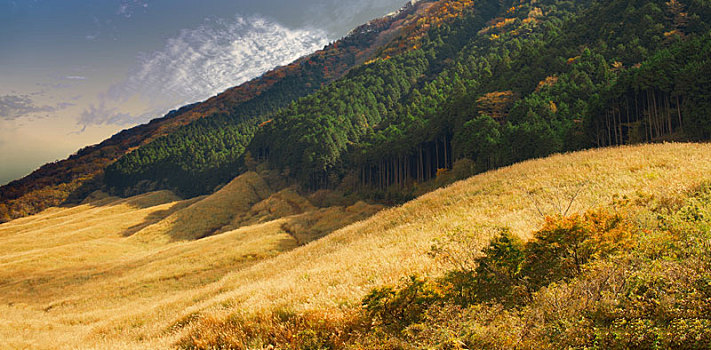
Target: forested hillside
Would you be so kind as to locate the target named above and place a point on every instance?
(468, 87)
(209, 152)
(222, 126)
(537, 79)
(441, 87)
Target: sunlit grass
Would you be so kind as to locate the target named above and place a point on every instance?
(127, 273)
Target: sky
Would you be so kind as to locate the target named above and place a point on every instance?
(75, 72)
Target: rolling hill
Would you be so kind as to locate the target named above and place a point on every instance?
(100, 275)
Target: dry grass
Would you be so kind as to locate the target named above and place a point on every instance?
(70, 279)
(205, 217)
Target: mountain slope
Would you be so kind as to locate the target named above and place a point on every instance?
(72, 179)
(96, 288)
(486, 84)
(210, 152)
(452, 86)
(567, 87)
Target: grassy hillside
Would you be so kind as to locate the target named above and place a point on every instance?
(85, 277)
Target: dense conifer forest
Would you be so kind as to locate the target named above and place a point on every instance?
(498, 83)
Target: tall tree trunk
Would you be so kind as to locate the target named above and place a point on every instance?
(657, 120)
(609, 132)
(669, 116)
(446, 155)
(420, 167)
(614, 125)
(649, 117)
(678, 111)
(627, 113)
(437, 154)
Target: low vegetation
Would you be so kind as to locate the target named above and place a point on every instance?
(635, 274)
(81, 278)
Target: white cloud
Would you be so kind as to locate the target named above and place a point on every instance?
(101, 114)
(219, 54)
(197, 64)
(105, 113)
(334, 14)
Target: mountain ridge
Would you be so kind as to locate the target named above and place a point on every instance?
(68, 181)
(549, 73)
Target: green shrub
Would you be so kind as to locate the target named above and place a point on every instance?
(397, 308)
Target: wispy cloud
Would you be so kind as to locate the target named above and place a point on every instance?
(100, 114)
(220, 54)
(20, 106)
(334, 14)
(128, 7)
(199, 63)
(75, 77)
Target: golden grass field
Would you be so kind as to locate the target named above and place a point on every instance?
(130, 273)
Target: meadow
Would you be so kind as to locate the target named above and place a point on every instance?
(151, 270)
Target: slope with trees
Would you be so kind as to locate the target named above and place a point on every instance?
(72, 179)
(208, 152)
(554, 74)
(442, 87)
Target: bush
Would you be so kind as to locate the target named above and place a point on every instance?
(591, 281)
(509, 270)
(397, 308)
(565, 244)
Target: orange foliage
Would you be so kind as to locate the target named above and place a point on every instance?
(547, 82)
(553, 107)
(504, 23)
(535, 12)
(598, 231)
(433, 15)
(497, 24)
(496, 104)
